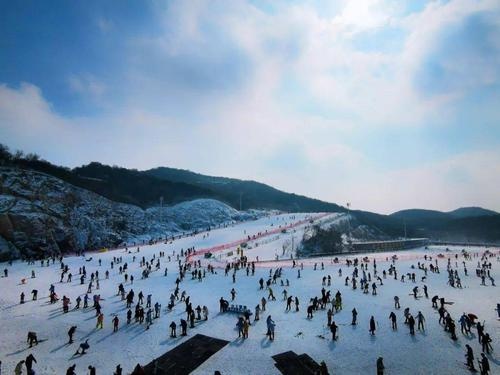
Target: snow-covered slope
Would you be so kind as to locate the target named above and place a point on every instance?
(355, 352)
(40, 213)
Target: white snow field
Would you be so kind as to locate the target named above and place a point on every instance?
(355, 351)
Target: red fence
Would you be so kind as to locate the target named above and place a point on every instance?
(230, 245)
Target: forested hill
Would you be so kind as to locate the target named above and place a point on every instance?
(253, 194)
(145, 188)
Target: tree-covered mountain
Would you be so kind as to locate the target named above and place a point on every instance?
(467, 224)
(145, 188)
(250, 194)
(471, 212)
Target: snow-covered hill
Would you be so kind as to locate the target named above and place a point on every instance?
(40, 213)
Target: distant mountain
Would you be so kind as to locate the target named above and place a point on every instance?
(145, 189)
(472, 212)
(418, 217)
(466, 224)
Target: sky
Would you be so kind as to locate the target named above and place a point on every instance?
(386, 104)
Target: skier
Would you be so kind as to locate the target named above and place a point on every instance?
(329, 315)
(310, 311)
(29, 364)
(183, 327)
(380, 366)
(92, 370)
(205, 312)
(71, 332)
(100, 321)
(396, 302)
(420, 320)
(149, 318)
(354, 316)
(270, 327)
(372, 325)
(173, 327)
(115, 323)
(333, 329)
(32, 338)
(484, 365)
(411, 323)
(71, 370)
(18, 370)
(470, 358)
(486, 343)
(392, 317)
(84, 346)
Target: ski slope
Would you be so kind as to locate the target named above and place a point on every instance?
(355, 352)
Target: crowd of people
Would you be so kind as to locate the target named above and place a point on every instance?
(364, 276)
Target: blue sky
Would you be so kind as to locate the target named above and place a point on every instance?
(387, 104)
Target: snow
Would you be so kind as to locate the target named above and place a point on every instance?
(355, 352)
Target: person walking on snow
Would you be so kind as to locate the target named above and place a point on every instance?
(372, 326)
(420, 320)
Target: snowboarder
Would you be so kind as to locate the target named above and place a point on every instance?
(354, 316)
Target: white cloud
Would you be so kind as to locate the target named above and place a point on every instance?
(241, 131)
(87, 85)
